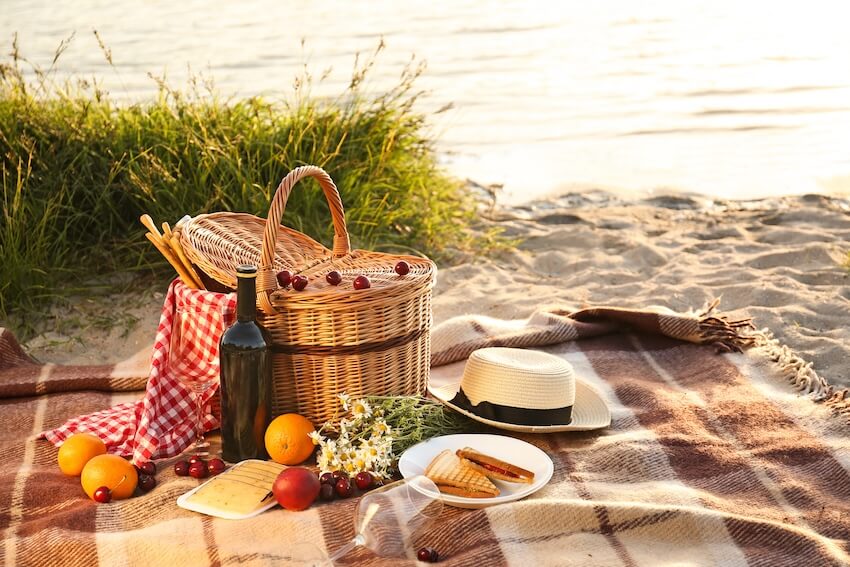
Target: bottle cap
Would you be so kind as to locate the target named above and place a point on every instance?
(246, 270)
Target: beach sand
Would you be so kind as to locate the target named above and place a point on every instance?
(779, 261)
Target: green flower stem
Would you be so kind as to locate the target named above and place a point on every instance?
(414, 419)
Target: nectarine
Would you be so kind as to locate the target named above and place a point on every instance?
(296, 488)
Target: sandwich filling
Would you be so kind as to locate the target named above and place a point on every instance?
(495, 469)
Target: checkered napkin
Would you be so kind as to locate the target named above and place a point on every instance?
(162, 424)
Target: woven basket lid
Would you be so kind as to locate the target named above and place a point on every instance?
(218, 242)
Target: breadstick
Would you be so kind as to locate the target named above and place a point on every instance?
(165, 251)
(177, 247)
(148, 222)
(173, 240)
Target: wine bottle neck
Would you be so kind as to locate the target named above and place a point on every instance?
(246, 299)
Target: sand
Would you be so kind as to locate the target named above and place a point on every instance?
(780, 261)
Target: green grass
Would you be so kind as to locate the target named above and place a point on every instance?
(78, 169)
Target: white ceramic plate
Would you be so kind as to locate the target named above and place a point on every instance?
(514, 451)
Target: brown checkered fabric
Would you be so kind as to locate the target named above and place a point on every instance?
(734, 459)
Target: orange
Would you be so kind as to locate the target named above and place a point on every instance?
(111, 471)
(76, 451)
(287, 439)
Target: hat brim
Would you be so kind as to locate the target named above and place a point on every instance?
(589, 411)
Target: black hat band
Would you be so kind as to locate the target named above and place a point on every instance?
(514, 415)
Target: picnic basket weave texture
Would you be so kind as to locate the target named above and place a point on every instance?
(326, 339)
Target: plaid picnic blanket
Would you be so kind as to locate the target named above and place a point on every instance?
(741, 458)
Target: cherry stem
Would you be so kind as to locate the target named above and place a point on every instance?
(119, 483)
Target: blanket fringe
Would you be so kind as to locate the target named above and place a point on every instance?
(724, 334)
(803, 376)
(735, 335)
(794, 368)
(839, 401)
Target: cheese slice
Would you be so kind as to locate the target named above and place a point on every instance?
(239, 491)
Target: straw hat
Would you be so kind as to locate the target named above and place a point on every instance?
(524, 390)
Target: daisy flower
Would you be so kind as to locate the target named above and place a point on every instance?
(380, 427)
(360, 409)
(344, 399)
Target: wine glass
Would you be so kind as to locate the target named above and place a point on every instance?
(386, 520)
(193, 357)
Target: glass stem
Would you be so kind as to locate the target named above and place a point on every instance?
(199, 418)
(345, 549)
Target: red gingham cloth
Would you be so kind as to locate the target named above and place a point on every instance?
(162, 424)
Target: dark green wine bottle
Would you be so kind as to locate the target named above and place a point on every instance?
(246, 376)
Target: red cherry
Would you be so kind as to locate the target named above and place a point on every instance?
(284, 278)
(402, 268)
(147, 468)
(196, 459)
(198, 470)
(363, 480)
(299, 282)
(326, 492)
(102, 494)
(327, 478)
(215, 466)
(146, 482)
(343, 488)
(336, 475)
(362, 282)
(334, 278)
(424, 554)
(181, 468)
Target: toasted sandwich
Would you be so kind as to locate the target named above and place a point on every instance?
(493, 468)
(451, 477)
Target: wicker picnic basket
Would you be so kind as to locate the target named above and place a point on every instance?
(326, 339)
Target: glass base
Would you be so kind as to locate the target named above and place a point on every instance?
(200, 448)
(309, 554)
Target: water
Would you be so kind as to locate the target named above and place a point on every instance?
(730, 99)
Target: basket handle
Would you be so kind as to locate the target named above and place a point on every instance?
(266, 280)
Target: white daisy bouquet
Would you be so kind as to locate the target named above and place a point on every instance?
(374, 431)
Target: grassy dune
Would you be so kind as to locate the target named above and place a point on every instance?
(79, 168)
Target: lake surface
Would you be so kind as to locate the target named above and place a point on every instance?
(730, 99)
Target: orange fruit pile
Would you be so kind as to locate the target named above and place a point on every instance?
(77, 450)
(111, 471)
(287, 439)
(84, 455)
